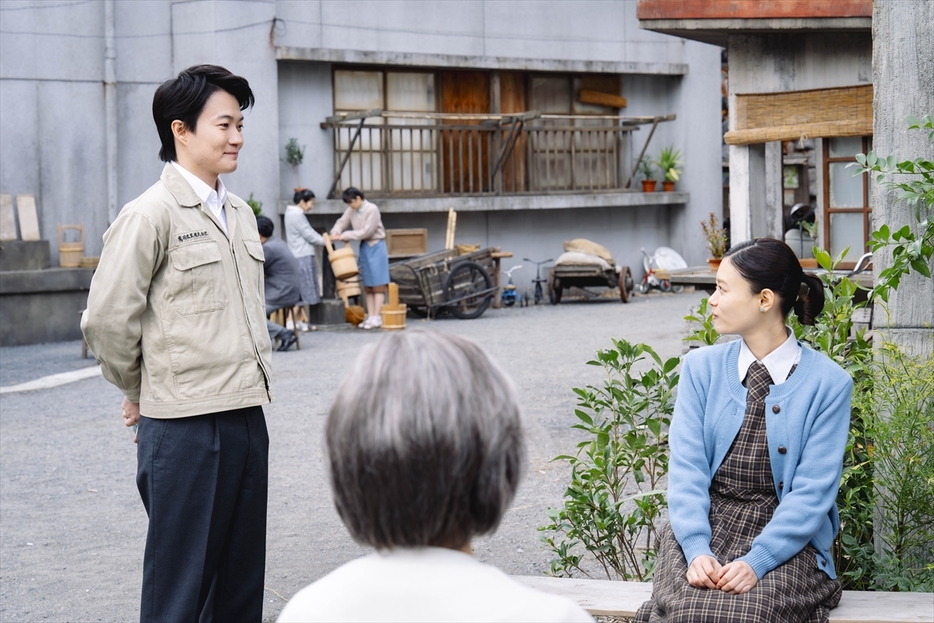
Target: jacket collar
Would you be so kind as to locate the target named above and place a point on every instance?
(187, 198)
(179, 187)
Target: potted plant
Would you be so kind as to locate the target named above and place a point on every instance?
(293, 153)
(669, 161)
(716, 240)
(647, 171)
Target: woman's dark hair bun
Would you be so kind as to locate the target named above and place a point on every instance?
(302, 194)
(810, 301)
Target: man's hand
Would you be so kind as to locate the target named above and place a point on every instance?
(704, 572)
(130, 414)
(736, 578)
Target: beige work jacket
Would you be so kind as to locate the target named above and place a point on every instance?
(176, 312)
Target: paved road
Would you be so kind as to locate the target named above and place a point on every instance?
(72, 528)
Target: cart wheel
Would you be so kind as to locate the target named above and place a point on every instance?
(665, 285)
(677, 289)
(421, 312)
(625, 285)
(555, 291)
(470, 282)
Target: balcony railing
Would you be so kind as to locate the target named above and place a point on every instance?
(393, 154)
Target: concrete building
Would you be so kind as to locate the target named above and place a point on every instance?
(77, 78)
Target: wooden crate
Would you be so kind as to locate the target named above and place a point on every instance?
(406, 242)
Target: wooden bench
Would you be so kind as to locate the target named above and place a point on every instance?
(622, 599)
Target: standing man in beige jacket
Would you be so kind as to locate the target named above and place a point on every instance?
(176, 317)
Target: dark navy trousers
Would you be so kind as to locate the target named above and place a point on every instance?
(203, 481)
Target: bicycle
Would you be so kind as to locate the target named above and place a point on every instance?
(650, 279)
(538, 281)
(510, 296)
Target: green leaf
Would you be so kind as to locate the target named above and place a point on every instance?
(921, 266)
(823, 259)
(583, 416)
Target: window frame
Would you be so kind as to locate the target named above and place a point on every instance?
(865, 209)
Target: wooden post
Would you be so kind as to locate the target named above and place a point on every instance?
(452, 227)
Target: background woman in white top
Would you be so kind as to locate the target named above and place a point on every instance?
(426, 451)
(302, 240)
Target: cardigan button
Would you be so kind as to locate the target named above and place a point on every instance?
(781, 485)
(776, 409)
(782, 449)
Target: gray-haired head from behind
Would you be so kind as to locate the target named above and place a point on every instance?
(424, 442)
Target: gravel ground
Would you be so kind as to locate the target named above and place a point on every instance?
(72, 527)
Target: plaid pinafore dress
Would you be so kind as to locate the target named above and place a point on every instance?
(742, 501)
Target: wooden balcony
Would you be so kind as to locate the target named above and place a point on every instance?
(391, 154)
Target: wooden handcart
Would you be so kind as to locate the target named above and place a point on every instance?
(445, 280)
(564, 276)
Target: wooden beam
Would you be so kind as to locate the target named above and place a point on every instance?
(586, 96)
(751, 9)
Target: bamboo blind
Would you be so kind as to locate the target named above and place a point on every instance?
(793, 115)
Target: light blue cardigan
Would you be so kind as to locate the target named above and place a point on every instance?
(808, 417)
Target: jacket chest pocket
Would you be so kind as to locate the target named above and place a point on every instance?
(253, 263)
(199, 281)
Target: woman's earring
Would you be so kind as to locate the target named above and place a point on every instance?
(761, 309)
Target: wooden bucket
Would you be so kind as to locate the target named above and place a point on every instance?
(343, 262)
(347, 288)
(70, 253)
(393, 316)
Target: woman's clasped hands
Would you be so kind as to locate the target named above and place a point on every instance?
(735, 577)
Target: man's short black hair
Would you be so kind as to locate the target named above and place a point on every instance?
(183, 98)
(265, 226)
(350, 194)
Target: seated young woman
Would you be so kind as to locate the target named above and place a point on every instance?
(757, 441)
(425, 451)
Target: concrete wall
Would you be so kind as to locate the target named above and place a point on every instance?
(239, 37)
(52, 98)
(582, 30)
(51, 93)
(305, 100)
(42, 305)
(52, 61)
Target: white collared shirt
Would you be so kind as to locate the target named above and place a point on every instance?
(779, 362)
(213, 199)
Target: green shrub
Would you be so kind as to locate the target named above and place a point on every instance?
(903, 460)
(256, 205)
(614, 504)
(294, 154)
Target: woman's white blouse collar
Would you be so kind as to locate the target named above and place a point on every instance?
(779, 362)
